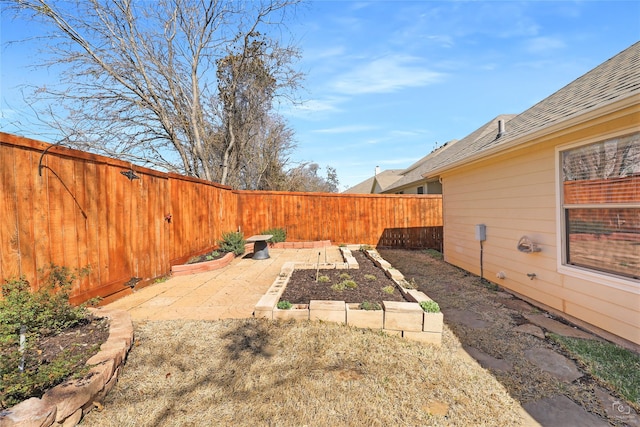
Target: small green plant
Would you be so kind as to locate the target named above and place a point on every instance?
(338, 287)
(161, 279)
(430, 306)
(284, 305)
(388, 289)
(324, 279)
(370, 306)
(349, 284)
(345, 276)
(370, 277)
(433, 253)
(342, 245)
(364, 248)
(279, 235)
(232, 241)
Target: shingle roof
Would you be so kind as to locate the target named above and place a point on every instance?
(384, 178)
(413, 173)
(613, 80)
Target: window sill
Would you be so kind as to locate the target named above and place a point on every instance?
(605, 279)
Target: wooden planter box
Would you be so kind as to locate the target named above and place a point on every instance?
(372, 319)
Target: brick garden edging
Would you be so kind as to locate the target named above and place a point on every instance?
(200, 267)
(406, 319)
(66, 403)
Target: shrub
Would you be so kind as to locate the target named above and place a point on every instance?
(338, 287)
(232, 241)
(46, 310)
(43, 312)
(279, 235)
(324, 279)
(349, 284)
(430, 306)
(284, 305)
(370, 306)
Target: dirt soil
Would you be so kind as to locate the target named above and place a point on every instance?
(303, 287)
(456, 291)
(209, 256)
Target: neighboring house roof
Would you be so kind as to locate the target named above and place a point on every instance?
(614, 80)
(383, 179)
(413, 174)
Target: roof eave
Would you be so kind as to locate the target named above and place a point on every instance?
(523, 139)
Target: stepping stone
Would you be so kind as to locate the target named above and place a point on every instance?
(617, 409)
(561, 411)
(466, 318)
(558, 327)
(553, 363)
(488, 361)
(518, 305)
(530, 329)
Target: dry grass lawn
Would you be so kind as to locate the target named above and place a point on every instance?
(261, 373)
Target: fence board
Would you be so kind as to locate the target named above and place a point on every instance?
(83, 212)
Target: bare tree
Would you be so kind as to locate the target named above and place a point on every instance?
(139, 77)
(305, 178)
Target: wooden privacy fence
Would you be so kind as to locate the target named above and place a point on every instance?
(129, 224)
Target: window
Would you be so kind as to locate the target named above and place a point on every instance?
(421, 190)
(601, 206)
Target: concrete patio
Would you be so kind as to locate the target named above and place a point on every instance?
(231, 292)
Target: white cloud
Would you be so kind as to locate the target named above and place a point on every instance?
(386, 75)
(346, 129)
(544, 44)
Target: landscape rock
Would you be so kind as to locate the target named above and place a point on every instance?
(556, 411)
(530, 329)
(553, 363)
(29, 413)
(487, 361)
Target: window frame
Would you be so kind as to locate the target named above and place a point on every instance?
(613, 280)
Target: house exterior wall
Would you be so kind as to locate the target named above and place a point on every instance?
(515, 194)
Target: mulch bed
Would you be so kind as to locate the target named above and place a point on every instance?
(302, 287)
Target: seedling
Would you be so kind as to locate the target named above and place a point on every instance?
(349, 284)
(370, 277)
(345, 276)
(388, 289)
(430, 306)
(284, 305)
(370, 306)
(338, 287)
(324, 279)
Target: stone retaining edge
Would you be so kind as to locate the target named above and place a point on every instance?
(67, 403)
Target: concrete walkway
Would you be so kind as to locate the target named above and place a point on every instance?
(231, 292)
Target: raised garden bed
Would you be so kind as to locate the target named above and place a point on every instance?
(401, 315)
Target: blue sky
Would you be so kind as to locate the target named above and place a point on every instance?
(388, 81)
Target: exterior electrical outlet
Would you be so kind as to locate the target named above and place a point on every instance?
(481, 232)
